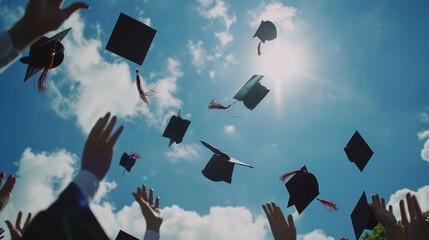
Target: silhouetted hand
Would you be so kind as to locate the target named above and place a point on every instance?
(16, 232)
(416, 228)
(98, 151)
(386, 218)
(6, 190)
(1, 233)
(40, 17)
(150, 211)
(281, 229)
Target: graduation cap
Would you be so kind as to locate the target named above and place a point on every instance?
(125, 236)
(46, 53)
(131, 40)
(176, 129)
(266, 32)
(128, 161)
(358, 151)
(303, 188)
(251, 94)
(220, 166)
(362, 216)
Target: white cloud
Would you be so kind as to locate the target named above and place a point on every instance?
(141, 17)
(281, 15)
(224, 38)
(425, 151)
(317, 234)
(221, 223)
(219, 10)
(421, 195)
(198, 54)
(188, 152)
(91, 85)
(229, 129)
(424, 117)
(212, 74)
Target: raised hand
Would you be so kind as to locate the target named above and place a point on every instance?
(40, 17)
(386, 218)
(98, 151)
(17, 232)
(416, 228)
(150, 211)
(281, 229)
(6, 190)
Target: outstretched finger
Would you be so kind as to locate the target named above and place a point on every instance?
(290, 221)
(403, 213)
(157, 202)
(411, 207)
(27, 222)
(116, 135)
(106, 132)
(18, 219)
(10, 183)
(74, 7)
(98, 126)
(1, 177)
(151, 197)
(144, 195)
(419, 215)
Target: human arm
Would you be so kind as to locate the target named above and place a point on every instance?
(386, 218)
(97, 155)
(280, 228)
(17, 232)
(416, 228)
(6, 190)
(150, 211)
(40, 17)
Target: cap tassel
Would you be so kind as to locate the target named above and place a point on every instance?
(285, 175)
(329, 205)
(140, 88)
(215, 104)
(135, 155)
(259, 49)
(41, 82)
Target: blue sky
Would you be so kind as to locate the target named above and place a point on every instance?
(335, 67)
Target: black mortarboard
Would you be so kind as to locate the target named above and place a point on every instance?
(41, 52)
(266, 31)
(176, 129)
(252, 92)
(220, 166)
(362, 216)
(128, 161)
(358, 151)
(130, 39)
(125, 236)
(303, 188)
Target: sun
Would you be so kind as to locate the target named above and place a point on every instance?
(283, 64)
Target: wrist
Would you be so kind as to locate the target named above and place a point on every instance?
(153, 227)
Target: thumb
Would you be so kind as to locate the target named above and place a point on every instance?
(9, 225)
(74, 7)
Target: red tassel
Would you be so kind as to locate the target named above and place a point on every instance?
(285, 175)
(41, 82)
(259, 49)
(215, 104)
(140, 88)
(329, 205)
(135, 155)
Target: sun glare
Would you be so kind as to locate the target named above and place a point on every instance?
(283, 64)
